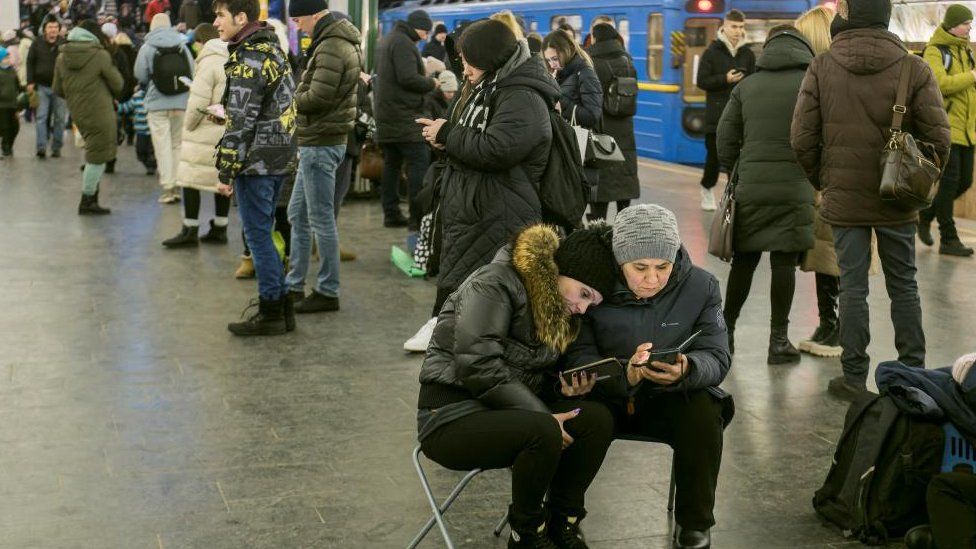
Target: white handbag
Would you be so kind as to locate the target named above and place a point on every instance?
(582, 135)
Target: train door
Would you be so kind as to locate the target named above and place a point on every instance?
(698, 34)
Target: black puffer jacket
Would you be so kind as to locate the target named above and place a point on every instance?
(691, 301)
(618, 180)
(715, 64)
(326, 96)
(580, 90)
(498, 337)
(400, 87)
(489, 185)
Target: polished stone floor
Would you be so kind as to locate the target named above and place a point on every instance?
(131, 418)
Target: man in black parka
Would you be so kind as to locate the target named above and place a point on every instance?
(723, 65)
(399, 89)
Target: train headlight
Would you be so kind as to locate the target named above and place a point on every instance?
(693, 121)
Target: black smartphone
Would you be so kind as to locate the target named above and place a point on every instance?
(604, 369)
(743, 70)
(670, 356)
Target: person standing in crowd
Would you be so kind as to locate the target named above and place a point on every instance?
(51, 109)
(88, 80)
(190, 14)
(9, 91)
(814, 25)
(774, 202)
(201, 134)
(135, 110)
(512, 22)
(166, 97)
(80, 10)
(124, 44)
(581, 101)
(435, 46)
(486, 394)
(660, 300)
(840, 127)
(106, 33)
(326, 104)
(399, 95)
(496, 144)
(127, 18)
(154, 8)
(257, 151)
(618, 180)
(951, 58)
(598, 20)
(723, 65)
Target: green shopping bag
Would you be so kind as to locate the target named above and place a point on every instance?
(279, 243)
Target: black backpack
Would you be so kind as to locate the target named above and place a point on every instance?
(620, 94)
(563, 190)
(875, 490)
(169, 64)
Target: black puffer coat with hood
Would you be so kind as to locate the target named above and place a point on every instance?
(490, 184)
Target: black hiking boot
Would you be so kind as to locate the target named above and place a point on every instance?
(89, 206)
(781, 351)
(268, 320)
(565, 532)
(186, 238)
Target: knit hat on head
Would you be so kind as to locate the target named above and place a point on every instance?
(110, 30)
(449, 82)
(604, 32)
(301, 8)
(439, 29)
(586, 255)
(645, 231)
(420, 19)
(159, 21)
(488, 44)
(956, 15)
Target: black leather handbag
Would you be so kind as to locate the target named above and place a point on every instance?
(908, 177)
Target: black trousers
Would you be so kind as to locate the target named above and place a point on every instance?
(598, 210)
(956, 180)
(782, 287)
(442, 295)
(417, 158)
(828, 291)
(712, 167)
(191, 204)
(951, 501)
(531, 444)
(144, 151)
(692, 425)
(9, 128)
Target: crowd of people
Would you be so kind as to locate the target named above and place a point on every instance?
(468, 123)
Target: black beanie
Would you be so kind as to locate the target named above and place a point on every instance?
(420, 19)
(604, 32)
(439, 29)
(586, 255)
(863, 14)
(488, 44)
(301, 8)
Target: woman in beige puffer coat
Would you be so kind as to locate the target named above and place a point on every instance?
(197, 171)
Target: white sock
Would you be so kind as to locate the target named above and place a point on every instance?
(191, 222)
(220, 222)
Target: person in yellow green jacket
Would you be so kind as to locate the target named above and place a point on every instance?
(951, 59)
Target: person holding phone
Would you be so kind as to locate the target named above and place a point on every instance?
(660, 301)
(489, 394)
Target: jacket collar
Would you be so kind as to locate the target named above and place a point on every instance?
(728, 43)
(403, 27)
(682, 268)
(532, 258)
(607, 48)
(246, 32)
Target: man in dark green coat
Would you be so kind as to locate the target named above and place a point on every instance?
(774, 200)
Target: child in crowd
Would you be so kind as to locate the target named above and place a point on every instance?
(9, 90)
(136, 109)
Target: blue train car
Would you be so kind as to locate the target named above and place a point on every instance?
(665, 37)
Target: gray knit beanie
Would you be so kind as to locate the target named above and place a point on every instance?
(645, 231)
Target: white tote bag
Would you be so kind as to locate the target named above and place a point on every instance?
(582, 135)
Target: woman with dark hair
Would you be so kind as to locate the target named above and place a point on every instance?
(489, 397)
(618, 180)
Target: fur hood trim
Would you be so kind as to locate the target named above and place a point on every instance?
(532, 259)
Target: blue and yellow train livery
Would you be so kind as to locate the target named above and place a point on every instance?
(665, 37)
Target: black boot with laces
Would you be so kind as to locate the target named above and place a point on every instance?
(564, 531)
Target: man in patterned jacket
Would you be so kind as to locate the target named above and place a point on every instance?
(258, 150)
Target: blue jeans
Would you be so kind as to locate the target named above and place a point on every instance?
(312, 211)
(49, 104)
(256, 197)
(896, 246)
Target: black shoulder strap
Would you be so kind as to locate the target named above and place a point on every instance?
(902, 95)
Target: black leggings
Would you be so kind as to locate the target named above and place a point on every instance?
(281, 225)
(598, 210)
(781, 289)
(191, 204)
(442, 295)
(531, 444)
(828, 292)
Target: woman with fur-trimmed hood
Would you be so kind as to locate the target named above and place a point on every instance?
(489, 394)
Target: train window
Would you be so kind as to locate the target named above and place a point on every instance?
(655, 46)
(699, 33)
(623, 27)
(757, 29)
(574, 21)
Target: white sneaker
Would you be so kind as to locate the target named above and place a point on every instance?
(708, 200)
(420, 340)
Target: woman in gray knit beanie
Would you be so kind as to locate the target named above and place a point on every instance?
(664, 302)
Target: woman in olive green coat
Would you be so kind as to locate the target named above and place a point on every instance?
(774, 199)
(88, 80)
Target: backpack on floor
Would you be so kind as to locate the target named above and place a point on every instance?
(875, 490)
(169, 65)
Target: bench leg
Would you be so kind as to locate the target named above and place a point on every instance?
(501, 525)
(671, 489)
(438, 511)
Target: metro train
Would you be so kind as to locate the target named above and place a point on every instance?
(665, 37)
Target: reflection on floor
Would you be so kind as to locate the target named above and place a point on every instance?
(131, 418)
